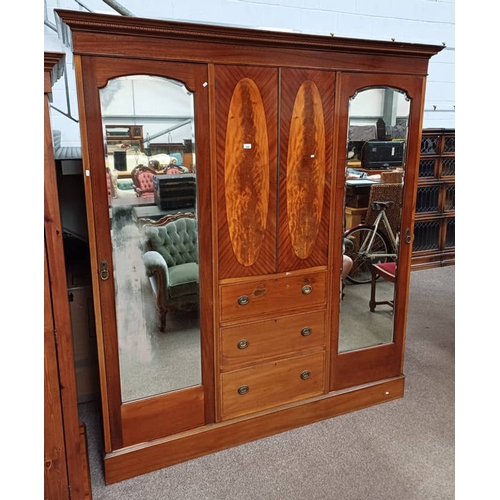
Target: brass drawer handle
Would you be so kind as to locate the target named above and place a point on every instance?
(243, 389)
(305, 331)
(305, 374)
(242, 344)
(243, 300)
(307, 289)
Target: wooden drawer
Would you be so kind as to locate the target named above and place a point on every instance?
(272, 384)
(250, 343)
(277, 294)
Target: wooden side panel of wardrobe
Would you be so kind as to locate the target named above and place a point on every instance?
(246, 129)
(306, 147)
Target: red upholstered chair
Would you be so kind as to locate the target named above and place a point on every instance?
(387, 271)
(142, 178)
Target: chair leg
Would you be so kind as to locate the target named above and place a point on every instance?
(373, 303)
(162, 315)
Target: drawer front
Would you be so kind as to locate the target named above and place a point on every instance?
(250, 343)
(251, 299)
(272, 384)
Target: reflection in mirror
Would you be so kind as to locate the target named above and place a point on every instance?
(148, 130)
(376, 152)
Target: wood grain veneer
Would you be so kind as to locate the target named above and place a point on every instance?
(278, 337)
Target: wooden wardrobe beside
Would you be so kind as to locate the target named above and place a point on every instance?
(66, 471)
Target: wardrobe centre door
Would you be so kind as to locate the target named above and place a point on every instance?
(246, 132)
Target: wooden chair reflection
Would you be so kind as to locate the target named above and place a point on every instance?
(386, 271)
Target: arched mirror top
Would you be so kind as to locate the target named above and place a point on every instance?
(378, 113)
(134, 75)
(145, 70)
(403, 92)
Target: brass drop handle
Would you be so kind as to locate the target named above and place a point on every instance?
(307, 289)
(103, 270)
(242, 344)
(305, 331)
(407, 235)
(243, 300)
(305, 374)
(243, 389)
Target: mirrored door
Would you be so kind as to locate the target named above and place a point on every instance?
(379, 141)
(151, 162)
(375, 166)
(148, 184)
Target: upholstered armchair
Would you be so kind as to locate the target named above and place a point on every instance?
(171, 262)
(142, 178)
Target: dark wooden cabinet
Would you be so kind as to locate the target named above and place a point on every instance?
(434, 237)
(66, 473)
(270, 127)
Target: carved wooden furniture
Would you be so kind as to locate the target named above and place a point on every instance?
(271, 124)
(434, 243)
(144, 221)
(386, 271)
(119, 137)
(66, 474)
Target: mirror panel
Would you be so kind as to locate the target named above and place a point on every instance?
(149, 144)
(376, 156)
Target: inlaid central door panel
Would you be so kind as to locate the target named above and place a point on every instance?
(306, 146)
(246, 128)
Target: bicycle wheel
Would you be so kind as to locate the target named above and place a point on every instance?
(360, 237)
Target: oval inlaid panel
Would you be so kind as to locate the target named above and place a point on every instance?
(305, 169)
(246, 172)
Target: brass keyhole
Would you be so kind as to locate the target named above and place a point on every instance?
(243, 300)
(103, 270)
(243, 344)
